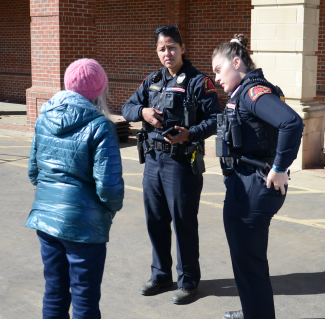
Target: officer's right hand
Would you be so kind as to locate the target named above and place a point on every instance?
(152, 116)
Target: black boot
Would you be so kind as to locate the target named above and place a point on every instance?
(152, 287)
(183, 296)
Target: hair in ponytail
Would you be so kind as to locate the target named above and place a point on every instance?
(236, 47)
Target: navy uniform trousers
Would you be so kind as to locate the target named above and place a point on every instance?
(172, 193)
(248, 209)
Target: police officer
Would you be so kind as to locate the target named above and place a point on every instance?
(257, 129)
(180, 98)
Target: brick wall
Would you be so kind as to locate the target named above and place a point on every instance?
(125, 41)
(15, 47)
(209, 25)
(62, 31)
(320, 88)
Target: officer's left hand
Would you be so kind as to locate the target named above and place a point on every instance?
(182, 136)
(278, 180)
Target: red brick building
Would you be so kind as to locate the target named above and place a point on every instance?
(40, 38)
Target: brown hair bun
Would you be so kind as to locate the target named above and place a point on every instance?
(242, 39)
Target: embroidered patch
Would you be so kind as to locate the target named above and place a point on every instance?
(155, 87)
(256, 91)
(208, 86)
(231, 106)
(176, 90)
(143, 81)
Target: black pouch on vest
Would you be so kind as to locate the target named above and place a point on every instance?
(222, 147)
(169, 100)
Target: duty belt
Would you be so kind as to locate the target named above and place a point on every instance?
(166, 147)
(160, 146)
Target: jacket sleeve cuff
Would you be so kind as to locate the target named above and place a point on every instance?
(191, 136)
(140, 112)
(283, 163)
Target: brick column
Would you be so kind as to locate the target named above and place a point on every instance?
(175, 14)
(61, 32)
(284, 37)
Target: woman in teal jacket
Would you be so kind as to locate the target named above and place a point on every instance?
(76, 164)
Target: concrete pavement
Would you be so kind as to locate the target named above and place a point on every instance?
(296, 246)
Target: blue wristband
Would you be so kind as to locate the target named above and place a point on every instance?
(276, 170)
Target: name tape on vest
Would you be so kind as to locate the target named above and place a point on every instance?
(155, 87)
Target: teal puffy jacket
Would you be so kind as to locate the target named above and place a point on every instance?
(76, 164)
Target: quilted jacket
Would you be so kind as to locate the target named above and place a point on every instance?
(76, 164)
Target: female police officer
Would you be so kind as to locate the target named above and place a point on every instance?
(258, 125)
(181, 97)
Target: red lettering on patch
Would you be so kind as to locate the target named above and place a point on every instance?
(208, 86)
(143, 81)
(256, 91)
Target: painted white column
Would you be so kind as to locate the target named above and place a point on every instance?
(284, 39)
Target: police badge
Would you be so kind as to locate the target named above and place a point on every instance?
(181, 78)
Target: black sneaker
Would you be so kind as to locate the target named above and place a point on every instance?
(152, 287)
(183, 296)
(234, 315)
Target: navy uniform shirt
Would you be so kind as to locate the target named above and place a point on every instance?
(206, 95)
(265, 105)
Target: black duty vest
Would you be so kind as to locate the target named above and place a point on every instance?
(169, 97)
(258, 136)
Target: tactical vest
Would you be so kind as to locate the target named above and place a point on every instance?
(257, 136)
(170, 100)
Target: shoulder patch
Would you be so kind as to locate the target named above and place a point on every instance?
(143, 81)
(208, 86)
(256, 91)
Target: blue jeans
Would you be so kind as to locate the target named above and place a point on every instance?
(76, 266)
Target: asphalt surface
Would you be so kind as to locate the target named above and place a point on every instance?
(296, 250)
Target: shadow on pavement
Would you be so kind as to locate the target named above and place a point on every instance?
(291, 284)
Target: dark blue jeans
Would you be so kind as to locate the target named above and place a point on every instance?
(76, 266)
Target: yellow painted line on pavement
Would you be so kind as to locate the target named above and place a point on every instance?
(132, 174)
(129, 158)
(14, 164)
(17, 138)
(212, 194)
(14, 146)
(306, 222)
(212, 173)
(14, 159)
(211, 204)
(137, 189)
(310, 190)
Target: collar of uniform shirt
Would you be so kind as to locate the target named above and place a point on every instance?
(234, 93)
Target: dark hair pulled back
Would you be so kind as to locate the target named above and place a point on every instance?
(174, 34)
(234, 49)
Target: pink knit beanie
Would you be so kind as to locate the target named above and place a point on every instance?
(86, 77)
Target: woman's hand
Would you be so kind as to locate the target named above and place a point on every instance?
(152, 116)
(278, 180)
(182, 136)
